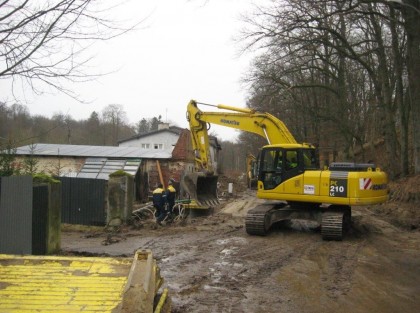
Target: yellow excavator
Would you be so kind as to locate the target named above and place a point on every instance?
(288, 172)
(251, 171)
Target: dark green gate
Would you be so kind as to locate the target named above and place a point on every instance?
(83, 201)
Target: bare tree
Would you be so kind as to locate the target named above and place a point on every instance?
(410, 10)
(115, 116)
(44, 43)
(342, 62)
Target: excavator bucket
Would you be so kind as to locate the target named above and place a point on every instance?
(202, 188)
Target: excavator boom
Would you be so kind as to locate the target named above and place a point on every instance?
(202, 184)
(262, 124)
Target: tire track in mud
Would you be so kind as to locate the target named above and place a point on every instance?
(220, 290)
(193, 263)
(225, 270)
(317, 273)
(337, 277)
(210, 283)
(202, 268)
(236, 273)
(241, 273)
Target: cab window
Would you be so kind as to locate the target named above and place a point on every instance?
(291, 159)
(271, 168)
(309, 159)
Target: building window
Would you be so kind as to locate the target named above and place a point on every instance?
(158, 146)
(145, 145)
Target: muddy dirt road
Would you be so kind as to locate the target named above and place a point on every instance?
(211, 264)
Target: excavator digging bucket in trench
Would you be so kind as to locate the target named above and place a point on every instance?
(202, 188)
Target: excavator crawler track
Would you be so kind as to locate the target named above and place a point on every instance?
(256, 221)
(333, 226)
(335, 220)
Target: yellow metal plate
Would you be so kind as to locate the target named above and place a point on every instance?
(62, 284)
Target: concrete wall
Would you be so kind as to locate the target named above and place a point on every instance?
(56, 165)
(120, 200)
(54, 219)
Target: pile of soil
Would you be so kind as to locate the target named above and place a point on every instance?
(403, 207)
(238, 179)
(405, 190)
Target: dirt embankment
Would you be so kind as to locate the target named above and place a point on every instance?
(403, 207)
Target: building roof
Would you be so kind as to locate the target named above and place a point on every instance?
(44, 149)
(102, 167)
(172, 129)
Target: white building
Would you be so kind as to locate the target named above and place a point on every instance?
(165, 138)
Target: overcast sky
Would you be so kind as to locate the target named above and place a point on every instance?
(184, 50)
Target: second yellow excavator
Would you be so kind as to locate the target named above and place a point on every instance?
(251, 171)
(288, 172)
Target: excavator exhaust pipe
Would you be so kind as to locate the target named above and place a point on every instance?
(202, 188)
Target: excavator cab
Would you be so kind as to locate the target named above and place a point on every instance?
(279, 163)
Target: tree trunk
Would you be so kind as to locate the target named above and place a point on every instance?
(401, 101)
(411, 13)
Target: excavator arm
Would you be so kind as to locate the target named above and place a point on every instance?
(202, 184)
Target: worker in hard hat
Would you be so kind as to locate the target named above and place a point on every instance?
(159, 198)
(170, 196)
